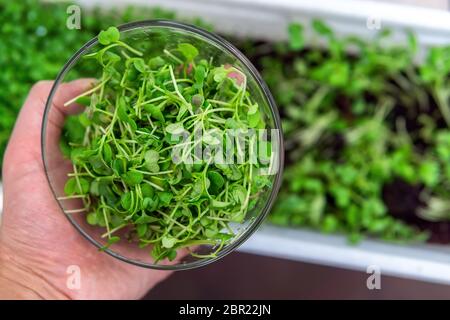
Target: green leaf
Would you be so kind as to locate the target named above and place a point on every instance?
(429, 173)
(99, 166)
(109, 36)
(188, 51)
(140, 65)
(119, 166)
(113, 239)
(219, 74)
(165, 197)
(74, 130)
(317, 209)
(156, 62)
(211, 138)
(91, 218)
(238, 216)
(239, 194)
(76, 186)
(321, 28)
(110, 241)
(217, 181)
(295, 31)
(199, 75)
(112, 58)
(168, 242)
(155, 112)
(171, 255)
(175, 128)
(141, 229)
(132, 178)
(354, 238)
(211, 233)
(126, 201)
(197, 100)
(341, 195)
(146, 219)
(107, 153)
(253, 109)
(122, 110)
(147, 190)
(151, 156)
(151, 161)
(220, 204)
(153, 167)
(412, 42)
(254, 119)
(84, 101)
(150, 203)
(330, 224)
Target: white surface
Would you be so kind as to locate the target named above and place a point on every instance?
(268, 18)
(421, 262)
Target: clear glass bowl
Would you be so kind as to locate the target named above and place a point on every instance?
(153, 37)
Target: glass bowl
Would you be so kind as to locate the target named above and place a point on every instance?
(152, 38)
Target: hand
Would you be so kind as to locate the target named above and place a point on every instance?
(37, 242)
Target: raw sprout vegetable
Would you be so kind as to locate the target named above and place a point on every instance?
(121, 148)
(297, 74)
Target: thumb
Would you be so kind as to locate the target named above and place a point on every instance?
(24, 147)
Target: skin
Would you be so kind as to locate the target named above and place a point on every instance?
(37, 242)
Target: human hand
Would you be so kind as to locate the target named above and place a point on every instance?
(37, 242)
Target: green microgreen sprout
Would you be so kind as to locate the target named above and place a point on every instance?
(122, 148)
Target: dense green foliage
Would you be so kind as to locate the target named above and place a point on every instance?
(353, 124)
(133, 147)
(35, 43)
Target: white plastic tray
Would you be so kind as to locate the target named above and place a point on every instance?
(421, 262)
(268, 19)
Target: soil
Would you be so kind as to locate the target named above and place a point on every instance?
(403, 201)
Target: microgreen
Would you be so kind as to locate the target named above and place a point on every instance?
(295, 32)
(123, 162)
(109, 36)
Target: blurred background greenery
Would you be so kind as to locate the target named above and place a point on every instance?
(367, 132)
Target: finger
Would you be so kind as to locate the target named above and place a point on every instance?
(30, 118)
(39, 94)
(25, 142)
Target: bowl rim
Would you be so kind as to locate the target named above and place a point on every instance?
(231, 49)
